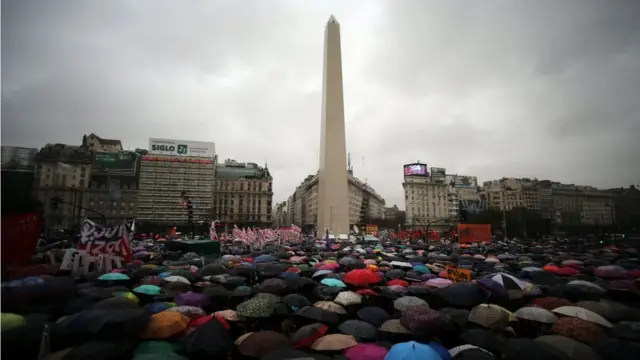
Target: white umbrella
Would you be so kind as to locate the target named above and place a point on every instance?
(536, 314)
(584, 314)
(175, 278)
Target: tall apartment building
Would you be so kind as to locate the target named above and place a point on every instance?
(172, 172)
(426, 202)
(434, 199)
(364, 202)
(243, 194)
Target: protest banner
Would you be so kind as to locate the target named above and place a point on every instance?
(469, 233)
(113, 240)
(457, 274)
(80, 262)
(20, 234)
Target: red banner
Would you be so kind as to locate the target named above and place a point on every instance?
(468, 233)
(20, 234)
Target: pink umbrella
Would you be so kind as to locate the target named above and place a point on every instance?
(439, 282)
(366, 352)
(329, 266)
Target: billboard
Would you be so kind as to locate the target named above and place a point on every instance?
(415, 170)
(18, 158)
(438, 174)
(181, 148)
(462, 181)
(115, 163)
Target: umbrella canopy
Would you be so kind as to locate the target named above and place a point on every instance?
(334, 342)
(262, 343)
(412, 350)
(583, 314)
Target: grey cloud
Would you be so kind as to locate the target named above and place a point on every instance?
(487, 88)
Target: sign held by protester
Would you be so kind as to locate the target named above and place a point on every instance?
(80, 262)
(457, 274)
(113, 240)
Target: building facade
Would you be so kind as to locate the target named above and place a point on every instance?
(280, 215)
(426, 202)
(95, 143)
(243, 195)
(365, 203)
(176, 182)
(113, 189)
(563, 204)
(61, 177)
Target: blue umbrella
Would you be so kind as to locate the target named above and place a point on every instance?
(264, 258)
(333, 283)
(164, 274)
(113, 277)
(411, 351)
(147, 290)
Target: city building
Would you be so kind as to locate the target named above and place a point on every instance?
(95, 143)
(17, 180)
(176, 183)
(391, 212)
(364, 203)
(564, 204)
(243, 194)
(426, 201)
(582, 205)
(280, 215)
(113, 189)
(435, 199)
(61, 177)
(627, 209)
(333, 191)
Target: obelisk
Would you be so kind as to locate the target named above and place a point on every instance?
(333, 192)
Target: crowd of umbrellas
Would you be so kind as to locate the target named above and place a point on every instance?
(350, 301)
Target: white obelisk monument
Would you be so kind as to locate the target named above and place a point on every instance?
(333, 192)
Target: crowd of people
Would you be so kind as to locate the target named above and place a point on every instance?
(390, 300)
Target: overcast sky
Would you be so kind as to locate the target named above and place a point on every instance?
(547, 89)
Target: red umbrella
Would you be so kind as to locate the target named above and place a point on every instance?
(567, 271)
(361, 277)
(397, 282)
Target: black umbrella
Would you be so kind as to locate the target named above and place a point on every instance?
(373, 315)
(296, 300)
(359, 329)
(209, 340)
(317, 314)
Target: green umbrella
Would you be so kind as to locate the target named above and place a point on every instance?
(114, 277)
(147, 290)
(9, 321)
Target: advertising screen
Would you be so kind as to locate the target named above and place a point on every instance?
(415, 169)
(18, 158)
(120, 163)
(181, 148)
